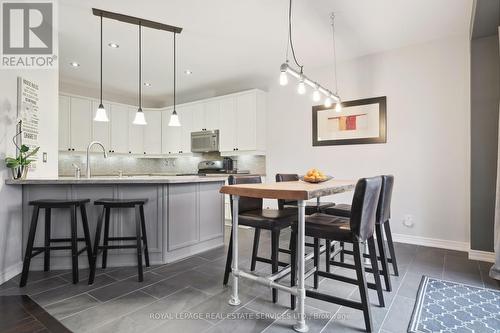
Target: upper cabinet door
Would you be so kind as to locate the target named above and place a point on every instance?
(135, 134)
(64, 125)
(198, 117)
(171, 136)
(81, 123)
(119, 129)
(152, 132)
(101, 129)
(227, 124)
(246, 121)
(186, 119)
(212, 115)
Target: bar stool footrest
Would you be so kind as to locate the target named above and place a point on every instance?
(345, 279)
(334, 299)
(64, 240)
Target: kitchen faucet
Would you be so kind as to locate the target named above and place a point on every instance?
(88, 150)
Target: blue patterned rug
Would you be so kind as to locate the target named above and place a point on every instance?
(445, 306)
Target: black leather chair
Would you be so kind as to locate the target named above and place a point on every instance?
(251, 214)
(311, 207)
(382, 222)
(357, 230)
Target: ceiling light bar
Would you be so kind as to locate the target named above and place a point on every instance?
(296, 74)
(136, 20)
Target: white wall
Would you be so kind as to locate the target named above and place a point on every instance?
(427, 148)
(11, 196)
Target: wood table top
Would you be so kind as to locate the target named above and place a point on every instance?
(294, 190)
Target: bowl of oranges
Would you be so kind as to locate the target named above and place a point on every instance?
(315, 176)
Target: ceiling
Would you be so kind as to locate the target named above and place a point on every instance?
(231, 45)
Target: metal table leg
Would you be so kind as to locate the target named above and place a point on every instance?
(301, 291)
(235, 300)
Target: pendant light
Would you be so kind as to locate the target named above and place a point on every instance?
(139, 115)
(298, 73)
(100, 114)
(174, 117)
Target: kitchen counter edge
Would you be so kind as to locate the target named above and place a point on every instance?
(126, 180)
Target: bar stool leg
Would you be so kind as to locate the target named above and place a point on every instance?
(376, 273)
(46, 256)
(316, 262)
(74, 245)
(390, 244)
(139, 242)
(328, 255)
(29, 246)
(144, 236)
(363, 291)
(341, 251)
(229, 259)
(255, 249)
(275, 240)
(86, 233)
(106, 236)
(293, 267)
(383, 257)
(95, 252)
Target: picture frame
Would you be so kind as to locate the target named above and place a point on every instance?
(362, 121)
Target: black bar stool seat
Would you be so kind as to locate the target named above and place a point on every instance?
(140, 237)
(339, 210)
(32, 251)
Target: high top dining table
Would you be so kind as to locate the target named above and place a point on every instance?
(294, 190)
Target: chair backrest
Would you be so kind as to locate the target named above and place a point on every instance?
(384, 202)
(364, 207)
(245, 203)
(286, 177)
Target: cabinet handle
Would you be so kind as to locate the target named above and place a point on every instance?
(130, 152)
(109, 151)
(144, 153)
(69, 149)
(113, 151)
(73, 149)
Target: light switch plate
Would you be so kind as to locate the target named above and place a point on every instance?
(44, 157)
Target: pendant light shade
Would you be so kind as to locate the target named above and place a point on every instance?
(139, 118)
(174, 117)
(100, 114)
(338, 107)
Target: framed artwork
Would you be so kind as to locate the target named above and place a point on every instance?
(361, 121)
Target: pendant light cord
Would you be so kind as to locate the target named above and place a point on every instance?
(140, 66)
(174, 69)
(101, 59)
(334, 53)
(290, 39)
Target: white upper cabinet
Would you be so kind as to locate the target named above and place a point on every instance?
(135, 134)
(197, 116)
(80, 123)
(212, 115)
(171, 136)
(186, 116)
(64, 123)
(246, 122)
(119, 129)
(227, 124)
(101, 129)
(152, 133)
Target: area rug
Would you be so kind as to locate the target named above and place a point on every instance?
(445, 306)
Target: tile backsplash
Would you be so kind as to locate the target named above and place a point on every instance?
(138, 165)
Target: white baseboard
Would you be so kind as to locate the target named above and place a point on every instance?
(482, 255)
(10, 272)
(431, 242)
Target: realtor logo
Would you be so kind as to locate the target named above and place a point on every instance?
(28, 35)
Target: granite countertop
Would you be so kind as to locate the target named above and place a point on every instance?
(117, 180)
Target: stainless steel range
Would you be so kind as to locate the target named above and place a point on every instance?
(226, 166)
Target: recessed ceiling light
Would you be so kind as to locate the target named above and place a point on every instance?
(113, 45)
(147, 84)
(74, 64)
(188, 72)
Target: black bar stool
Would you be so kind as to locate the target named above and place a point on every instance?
(32, 251)
(251, 214)
(357, 230)
(140, 230)
(381, 225)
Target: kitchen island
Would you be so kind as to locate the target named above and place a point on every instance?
(184, 214)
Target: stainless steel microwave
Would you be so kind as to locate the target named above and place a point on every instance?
(205, 141)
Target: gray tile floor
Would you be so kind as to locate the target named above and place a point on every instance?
(188, 296)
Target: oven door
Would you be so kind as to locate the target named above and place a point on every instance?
(204, 141)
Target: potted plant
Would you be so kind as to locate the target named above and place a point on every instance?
(20, 165)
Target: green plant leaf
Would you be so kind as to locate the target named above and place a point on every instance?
(26, 162)
(12, 164)
(33, 152)
(24, 148)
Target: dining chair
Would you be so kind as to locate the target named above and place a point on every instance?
(252, 214)
(356, 229)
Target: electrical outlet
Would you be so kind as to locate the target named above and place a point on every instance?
(44, 157)
(408, 220)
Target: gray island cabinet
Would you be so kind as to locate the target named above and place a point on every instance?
(184, 215)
